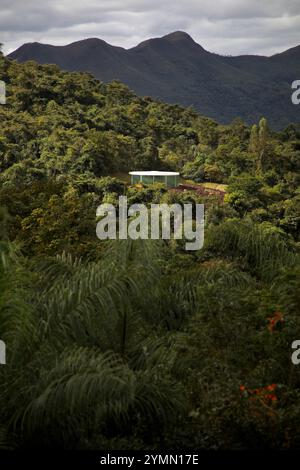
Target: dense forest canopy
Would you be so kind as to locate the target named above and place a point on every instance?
(140, 344)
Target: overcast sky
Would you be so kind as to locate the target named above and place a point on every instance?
(223, 26)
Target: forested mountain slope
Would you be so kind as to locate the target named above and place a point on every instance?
(176, 69)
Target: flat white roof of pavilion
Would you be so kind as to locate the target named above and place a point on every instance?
(154, 173)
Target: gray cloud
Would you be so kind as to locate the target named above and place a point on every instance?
(223, 26)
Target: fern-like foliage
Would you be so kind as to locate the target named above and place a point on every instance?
(91, 348)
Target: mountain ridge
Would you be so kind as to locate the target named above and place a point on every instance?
(176, 69)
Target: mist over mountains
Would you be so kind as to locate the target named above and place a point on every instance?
(176, 69)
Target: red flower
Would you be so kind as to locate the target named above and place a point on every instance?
(275, 320)
(260, 393)
(271, 387)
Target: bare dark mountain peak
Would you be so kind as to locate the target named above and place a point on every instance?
(178, 36)
(293, 51)
(177, 39)
(33, 46)
(90, 42)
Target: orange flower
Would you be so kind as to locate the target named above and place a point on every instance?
(260, 393)
(271, 397)
(271, 387)
(274, 320)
